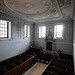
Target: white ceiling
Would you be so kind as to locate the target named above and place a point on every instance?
(40, 10)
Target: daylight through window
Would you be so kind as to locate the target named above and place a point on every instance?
(42, 31)
(27, 30)
(58, 31)
(5, 29)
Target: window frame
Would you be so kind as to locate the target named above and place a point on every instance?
(41, 33)
(27, 31)
(8, 31)
(62, 32)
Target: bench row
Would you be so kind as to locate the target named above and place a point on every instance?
(28, 59)
(59, 67)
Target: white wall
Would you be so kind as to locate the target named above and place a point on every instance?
(17, 44)
(65, 44)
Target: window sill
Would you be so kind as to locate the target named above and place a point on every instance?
(5, 39)
(42, 38)
(26, 38)
(58, 38)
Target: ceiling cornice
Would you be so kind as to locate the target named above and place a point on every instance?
(55, 20)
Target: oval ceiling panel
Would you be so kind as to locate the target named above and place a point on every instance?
(29, 7)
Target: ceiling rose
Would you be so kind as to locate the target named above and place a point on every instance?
(29, 7)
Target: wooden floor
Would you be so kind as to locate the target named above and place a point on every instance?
(37, 69)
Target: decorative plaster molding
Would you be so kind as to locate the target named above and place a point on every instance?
(65, 3)
(34, 10)
(26, 6)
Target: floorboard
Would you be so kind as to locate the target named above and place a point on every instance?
(37, 69)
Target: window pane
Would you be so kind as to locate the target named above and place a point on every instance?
(58, 31)
(39, 32)
(42, 31)
(3, 28)
(27, 30)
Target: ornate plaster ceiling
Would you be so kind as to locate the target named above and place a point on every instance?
(29, 7)
(33, 9)
(36, 10)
